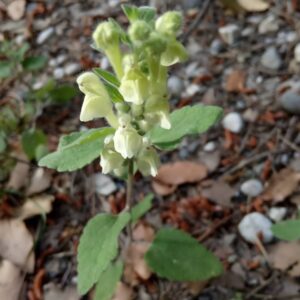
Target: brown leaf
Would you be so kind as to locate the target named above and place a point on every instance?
(40, 181)
(181, 172)
(219, 192)
(285, 256)
(37, 205)
(254, 5)
(53, 292)
(19, 176)
(16, 244)
(123, 292)
(282, 185)
(163, 189)
(11, 281)
(236, 81)
(16, 9)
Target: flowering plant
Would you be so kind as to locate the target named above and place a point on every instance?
(135, 104)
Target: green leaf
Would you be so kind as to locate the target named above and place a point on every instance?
(107, 76)
(147, 13)
(20, 53)
(3, 143)
(6, 69)
(141, 208)
(108, 281)
(98, 246)
(189, 120)
(43, 92)
(76, 150)
(31, 140)
(113, 93)
(34, 63)
(63, 93)
(40, 151)
(131, 12)
(177, 256)
(287, 230)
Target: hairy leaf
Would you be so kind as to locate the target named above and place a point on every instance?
(76, 150)
(177, 256)
(189, 120)
(98, 247)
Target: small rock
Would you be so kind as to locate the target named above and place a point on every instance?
(252, 187)
(58, 73)
(210, 147)
(255, 225)
(297, 53)
(190, 4)
(192, 89)
(277, 214)
(271, 59)
(233, 122)
(229, 33)
(104, 184)
(61, 58)
(216, 47)
(192, 70)
(44, 35)
(290, 101)
(175, 85)
(72, 68)
(105, 63)
(269, 24)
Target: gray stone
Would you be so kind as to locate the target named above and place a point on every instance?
(229, 33)
(290, 101)
(72, 68)
(210, 147)
(104, 184)
(252, 187)
(297, 53)
(44, 35)
(271, 59)
(175, 85)
(277, 214)
(269, 24)
(58, 73)
(216, 47)
(233, 122)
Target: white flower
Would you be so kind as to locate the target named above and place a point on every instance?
(134, 87)
(148, 162)
(174, 53)
(127, 141)
(97, 103)
(110, 160)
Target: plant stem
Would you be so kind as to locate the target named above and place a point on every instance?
(129, 195)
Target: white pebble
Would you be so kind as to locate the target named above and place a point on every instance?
(72, 68)
(104, 184)
(277, 214)
(229, 33)
(297, 53)
(105, 63)
(175, 85)
(192, 89)
(44, 35)
(252, 187)
(256, 225)
(233, 122)
(269, 24)
(209, 147)
(58, 73)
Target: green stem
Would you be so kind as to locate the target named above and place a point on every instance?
(129, 194)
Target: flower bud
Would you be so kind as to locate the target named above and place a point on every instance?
(134, 87)
(174, 53)
(156, 43)
(96, 102)
(122, 107)
(148, 162)
(139, 31)
(127, 141)
(105, 35)
(137, 109)
(169, 23)
(110, 160)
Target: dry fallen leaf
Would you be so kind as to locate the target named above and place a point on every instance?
(19, 175)
(11, 281)
(37, 205)
(219, 192)
(285, 256)
(40, 181)
(254, 5)
(282, 185)
(181, 172)
(16, 244)
(236, 81)
(123, 292)
(163, 189)
(53, 292)
(16, 9)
